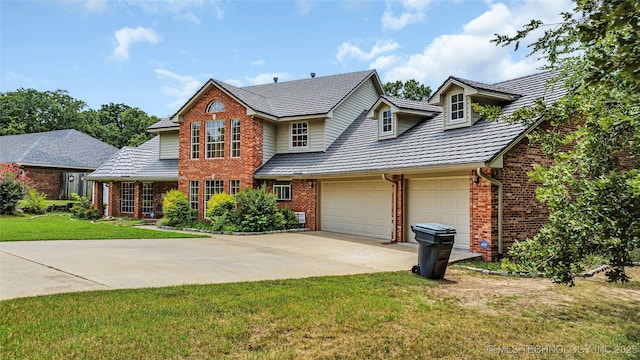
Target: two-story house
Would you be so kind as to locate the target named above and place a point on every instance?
(351, 158)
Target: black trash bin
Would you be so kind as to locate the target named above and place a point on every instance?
(434, 248)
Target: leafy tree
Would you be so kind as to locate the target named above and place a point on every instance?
(121, 125)
(14, 183)
(592, 188)
(410, 90)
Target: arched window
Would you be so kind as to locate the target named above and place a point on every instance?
(215, 106)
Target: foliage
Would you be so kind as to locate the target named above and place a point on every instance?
(220, 203)
(257, 211)
(84, 208)
(27, 111)
(290, 220)
(176, 209)
(13, 187)
(410, 90)
(34, 203)
(592, 188)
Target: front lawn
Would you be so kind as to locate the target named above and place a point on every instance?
(374, 316)
(63, 227)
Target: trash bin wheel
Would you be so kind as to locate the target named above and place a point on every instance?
(415, 269)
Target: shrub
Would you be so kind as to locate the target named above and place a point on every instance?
(290, 219)
(176, 209)
(13, 187)
(84, 208)
(35, 202)
(256, 210)
(220, 204)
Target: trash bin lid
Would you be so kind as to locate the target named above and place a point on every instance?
(434, 228)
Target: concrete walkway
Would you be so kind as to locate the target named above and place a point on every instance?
(32, 268)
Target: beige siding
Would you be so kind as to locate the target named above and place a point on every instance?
(169, 145)
(268, 140)
(316, 136)
(361, 100)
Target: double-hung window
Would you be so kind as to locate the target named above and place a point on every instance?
(147, 197)
(457, 107)
(234, 187)
(299, 135)
(235, 138)
(387, 122)
(195, 140)
(282, 189)
(193, 194)
(212, 187)
(127, 192)
(215, 139)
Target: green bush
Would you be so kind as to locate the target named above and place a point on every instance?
(290, 220)
(176, 209)
(84, 208)
(256, 210)
(34, 203)
(13, 187)
(219, 204)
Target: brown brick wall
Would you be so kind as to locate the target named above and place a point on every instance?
(226, 168)
(46, 180)
(159, 190)
(483, 212)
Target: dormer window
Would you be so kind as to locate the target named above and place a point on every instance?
(299, 135)
(457, 107)
(215, 106)
(387, 122)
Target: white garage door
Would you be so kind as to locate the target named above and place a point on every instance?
(356, 207)
(440, 200)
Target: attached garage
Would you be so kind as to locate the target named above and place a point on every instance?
(443, 200)
(356, 207)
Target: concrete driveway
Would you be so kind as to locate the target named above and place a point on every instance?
(32, 268)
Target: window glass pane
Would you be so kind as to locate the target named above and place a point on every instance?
(299, 136)
(234, 187)
(215, 139)
(195, 140)
(212, 187)
(126, 197)
(147, 197)
(215, 106)
(235, 138)
(193, 194)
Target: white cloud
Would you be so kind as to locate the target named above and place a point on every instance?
(258, 62)
(267, 78)
(304, 7)
(182, 87)
(181, 9)
(384, 62)
(349, 50)
(412, 12)
(94, 5)
(127, 36)
(471, 53)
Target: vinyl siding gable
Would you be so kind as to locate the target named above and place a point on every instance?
(169, 145)
(268, 140)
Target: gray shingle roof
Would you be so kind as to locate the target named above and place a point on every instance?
(138, 163)
(60, 148)
(425, 145)
(310, 96)
(405, 104)
(483, 86)
(163, 124)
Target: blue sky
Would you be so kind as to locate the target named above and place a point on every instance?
(155, 54)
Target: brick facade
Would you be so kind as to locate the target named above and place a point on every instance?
(46, 180)
(304, 198)
(113, 206)
(225, 168)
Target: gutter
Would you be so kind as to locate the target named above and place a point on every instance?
(500, 206)
(395, 206)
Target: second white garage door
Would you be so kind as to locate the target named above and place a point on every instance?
(356, 207)
(440, 200)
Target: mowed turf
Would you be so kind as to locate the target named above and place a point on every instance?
(64, 227)
(375, 316)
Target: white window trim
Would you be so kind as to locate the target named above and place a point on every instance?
(235, 142)
(286, 186)
(195, 145)
(215, 141)
(464, 110)
(382, 131)
(306, 147)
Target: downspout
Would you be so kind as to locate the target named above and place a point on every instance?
(395, 206)
(499, 185)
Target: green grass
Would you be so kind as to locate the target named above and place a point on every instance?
(63, 227)
(379, 316)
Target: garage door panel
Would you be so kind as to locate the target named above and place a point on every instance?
(357, 207)
(441, 200)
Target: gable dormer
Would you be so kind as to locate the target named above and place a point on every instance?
(395, 115)
(457, 95)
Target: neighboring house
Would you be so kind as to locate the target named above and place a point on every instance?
(57, 161)
(357, 161)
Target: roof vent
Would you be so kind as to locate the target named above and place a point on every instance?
(275, 79)
(313, 75)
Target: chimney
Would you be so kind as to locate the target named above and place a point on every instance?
(275, 79)
(313, 75)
